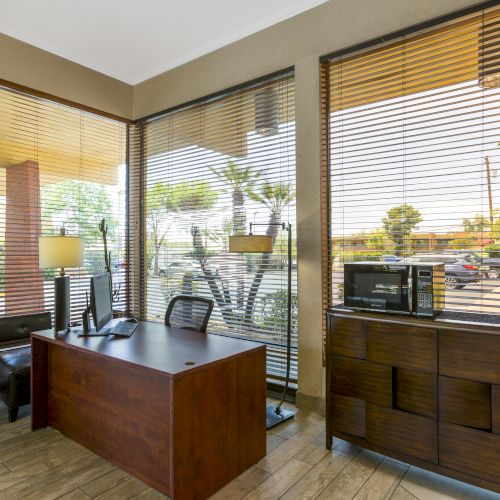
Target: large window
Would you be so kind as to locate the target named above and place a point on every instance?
(59, 168)
(413, 155)
(207, 171)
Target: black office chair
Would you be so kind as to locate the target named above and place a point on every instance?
(190, 312)
(15, 358)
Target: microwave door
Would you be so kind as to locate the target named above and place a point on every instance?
(387, 288)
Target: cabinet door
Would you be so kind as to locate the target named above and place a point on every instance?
(467, 355)
(348, 337)
(412, 435)
(415, 392)
(348, 415)
(362, 380)
(465, 402)
(412, 348)
(470, 451)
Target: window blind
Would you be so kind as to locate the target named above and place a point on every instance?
(411, 156)
(199, 174)
(59, 168)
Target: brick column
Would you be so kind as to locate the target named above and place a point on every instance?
(23, 278)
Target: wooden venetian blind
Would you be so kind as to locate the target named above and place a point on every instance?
(410, 155)
(201, 173)
(59, 167)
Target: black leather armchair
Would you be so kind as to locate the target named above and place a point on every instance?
(15, 358)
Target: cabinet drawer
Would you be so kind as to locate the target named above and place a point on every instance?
(415, 392)
(465, 402)
(348, 415)
(470, 451)
(407, 347)
(402, 432)
(473, 356)
(362, 380)
(348, 337)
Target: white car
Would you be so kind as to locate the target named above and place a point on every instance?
(177, 268)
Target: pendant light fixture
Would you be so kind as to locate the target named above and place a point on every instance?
(267, 112)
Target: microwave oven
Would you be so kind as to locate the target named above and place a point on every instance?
(398, 287)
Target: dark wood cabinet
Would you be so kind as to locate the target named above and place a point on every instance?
(420, 390)
(362, 380)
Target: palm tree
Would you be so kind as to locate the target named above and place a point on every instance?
(275, 196)
(240, 181)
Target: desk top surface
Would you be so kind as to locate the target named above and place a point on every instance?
(158, 347)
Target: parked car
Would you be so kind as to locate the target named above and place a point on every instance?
(177, 268)
(458, 270)
(489, 266)
(391, 258)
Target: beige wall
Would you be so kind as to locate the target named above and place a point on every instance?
(297, 42)
(29, 66)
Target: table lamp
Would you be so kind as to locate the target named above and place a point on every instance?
(61, 251)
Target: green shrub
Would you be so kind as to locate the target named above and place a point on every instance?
(493, 250)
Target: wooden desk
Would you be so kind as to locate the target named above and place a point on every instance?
(185, 429)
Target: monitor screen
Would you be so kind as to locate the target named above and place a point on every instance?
(100, 300)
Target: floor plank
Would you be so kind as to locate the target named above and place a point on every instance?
(104, 483)
(428, 485)
(273, 441)
(242, 485)
(319, 477)
(125, 490)
(77, 494)
(45, 465)
(350, 480)
(401, 494)
(274, 486)
(383, 482)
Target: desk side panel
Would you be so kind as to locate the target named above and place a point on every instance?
(39, 387)
(119, 411)
(219, 424)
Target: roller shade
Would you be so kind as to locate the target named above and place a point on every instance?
(59, 167)
(199, 174)
(410, 158)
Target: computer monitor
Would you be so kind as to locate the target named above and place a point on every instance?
(100, 300)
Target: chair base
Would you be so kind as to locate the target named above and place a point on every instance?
(274, 417)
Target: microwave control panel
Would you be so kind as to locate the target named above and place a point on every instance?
(424, 292)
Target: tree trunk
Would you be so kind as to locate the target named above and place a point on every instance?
(239, 214)
(272, 230)
(156, 267)
(222, 298)
(239, 223)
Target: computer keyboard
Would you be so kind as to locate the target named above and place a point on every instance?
(121, 329)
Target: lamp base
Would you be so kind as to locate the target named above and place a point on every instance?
(274, 417)
(62, 301)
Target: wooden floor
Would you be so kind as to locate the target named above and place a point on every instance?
(46, 465)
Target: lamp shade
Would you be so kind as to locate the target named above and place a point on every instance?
(250, 243)
(60, 251)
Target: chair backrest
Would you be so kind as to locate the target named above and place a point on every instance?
(16, 328)
(190, 312)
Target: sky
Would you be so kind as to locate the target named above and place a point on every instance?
(425, 149)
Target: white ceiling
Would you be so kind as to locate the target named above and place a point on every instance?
(133, 40)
